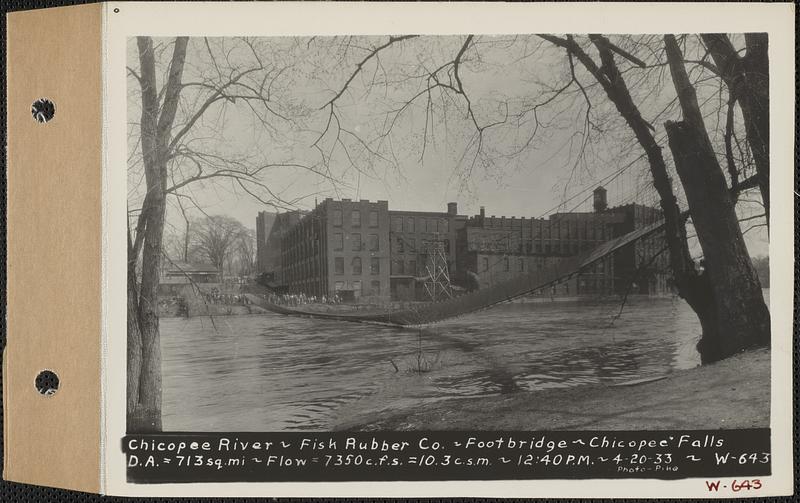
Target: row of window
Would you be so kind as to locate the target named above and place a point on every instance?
(355, 218)
(356, 244)
(356, 267)
(419, 224)
(409, 245)
(561, 230)
(557, 247)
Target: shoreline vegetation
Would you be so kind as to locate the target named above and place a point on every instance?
(732, 393)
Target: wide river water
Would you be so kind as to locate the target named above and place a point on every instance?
(272, 372)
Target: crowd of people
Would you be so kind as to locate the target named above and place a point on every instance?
(301, 299)
(214, 296)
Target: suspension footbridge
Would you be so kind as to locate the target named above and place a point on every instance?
(500, 292)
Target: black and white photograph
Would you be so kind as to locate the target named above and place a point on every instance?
(466, 232)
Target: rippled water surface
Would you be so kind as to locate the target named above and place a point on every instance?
(272, 372)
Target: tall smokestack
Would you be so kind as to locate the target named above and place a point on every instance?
(452, 208)
(600, 201)
(483, 212)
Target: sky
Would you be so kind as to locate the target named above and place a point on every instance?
(417, 154)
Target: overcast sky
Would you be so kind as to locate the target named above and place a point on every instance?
(503, 78)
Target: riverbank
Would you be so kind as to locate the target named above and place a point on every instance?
(733, 393)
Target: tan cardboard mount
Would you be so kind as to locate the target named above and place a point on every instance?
(53, 267)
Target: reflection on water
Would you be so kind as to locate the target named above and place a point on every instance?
(272, 372)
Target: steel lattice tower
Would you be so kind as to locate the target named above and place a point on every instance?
(438, 284)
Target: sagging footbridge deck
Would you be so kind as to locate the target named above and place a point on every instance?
(481, 299)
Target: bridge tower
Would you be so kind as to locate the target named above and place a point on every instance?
(438, 284)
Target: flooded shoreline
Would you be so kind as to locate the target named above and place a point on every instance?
(272, 372)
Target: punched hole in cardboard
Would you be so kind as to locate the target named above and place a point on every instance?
(47, 383)
(43, 110)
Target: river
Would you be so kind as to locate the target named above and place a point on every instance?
(271, 372)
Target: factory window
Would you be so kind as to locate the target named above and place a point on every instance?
(357, 287)
(412, 245)
(376, 287)
(538, 247)
(412, 267)
(375, 265)
(338, 265)
(355, 218)
(397, 267)
(521, 264)
(338, 241)
(337, 218)
(373, 218)
(374, 242)
(397, 224)
(401, 248)
(357, 265)
(505, 264)
(485, 264)
(410, 224)
(355, 240)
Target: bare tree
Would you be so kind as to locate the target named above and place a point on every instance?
(178, 143)
(734, 315)
(442, 87)
(217, 239)
(246, 252)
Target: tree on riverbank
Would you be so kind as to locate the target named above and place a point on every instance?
(726, 294)
(218, 238)
(179, 143)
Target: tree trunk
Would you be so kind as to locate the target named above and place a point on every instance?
(134, 346)
(156, 125)
(147, 415)
(734, 316)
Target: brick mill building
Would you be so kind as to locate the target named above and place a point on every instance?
(364, 251)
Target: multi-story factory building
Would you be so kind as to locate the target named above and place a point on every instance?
(414, 238)
(339, 247)
(361, 250)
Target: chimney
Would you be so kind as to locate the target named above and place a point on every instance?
(600, 202)
(483, 212)
(452, 208)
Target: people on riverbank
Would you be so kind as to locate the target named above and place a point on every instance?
(300, 299)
